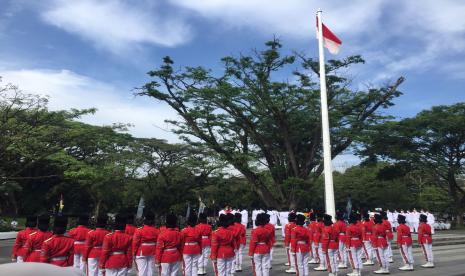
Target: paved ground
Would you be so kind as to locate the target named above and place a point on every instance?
(450, 261)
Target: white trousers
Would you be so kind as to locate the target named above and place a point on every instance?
(331, 260)
(170, 269)
(116, 271)
(203, 258)
(406, 253)
(315, 254)
(389, 248)
(92, 267)
(321, 255)
(415, 226)
(145, 265)
(233, 266)
(78, 263)
(355, 257)
(239, 256)
(270, 261)
(301, 260)
(261, 262)
(342, 253)
(428, 251)
(223, 266)
(368, 249)
(19, 259)
(383, 257)
(191, 264)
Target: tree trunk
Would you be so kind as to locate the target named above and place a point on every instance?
(97, 208)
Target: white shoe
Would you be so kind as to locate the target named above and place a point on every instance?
(313, 261)
(331, 274)
(428, 265)
(391, 260)
(353, 273)
(343, 266)
(320, 268)
(381, 271)
(404, 267)
(291, 270)
(287, 264)
(369, 262)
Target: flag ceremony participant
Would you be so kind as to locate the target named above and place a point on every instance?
(260, 244)
(232, 227)
(389, 235)
(222, 248)
(330, 245)
(381, 246)
(287, 242)
(168, 254)
(144, 243)
(425, 240)
(341, 227)
(242, 241)
(59, 249)
(404, 242)
(205, 230)
(36, 239)
(191, 248)
(116, 258)
(19, 247)
(270, 226)
(94, 243)
(354, 242)
(314, 245)
(367, 233)
(318, 239)
(300, 246)
(79, 234)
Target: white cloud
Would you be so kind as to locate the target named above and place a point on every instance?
(117, 25)
(70, 90)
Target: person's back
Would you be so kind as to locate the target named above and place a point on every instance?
(58, 250)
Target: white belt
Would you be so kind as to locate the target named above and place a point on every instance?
(381, 237)
(190, 243)
(354, 239)
(406, 236)
(301, 242)
(79, 242)
(170, 249)
(148, 243)
(205, 237)
(117, 253)
(37, 250)
(97, 247)
(342, 234)
(58, 259)
(263, 243)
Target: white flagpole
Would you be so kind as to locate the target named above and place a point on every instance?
(328, 172)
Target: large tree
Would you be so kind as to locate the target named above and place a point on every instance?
(433, 142)
(262, 115)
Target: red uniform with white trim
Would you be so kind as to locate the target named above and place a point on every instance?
(354, 241)
(169, 251)
(205, 230)
(241, 244)
(34, 245)
(79, 235)
(144, 244)
(191, 249)
(340, 226)
(222, 250)
(19, 247)
(130, 229)
(58, 250)
(404, 242)
(300, 248)
(287, 242)
(93, 250)
(380, 243)
(330, 245)
(425, 240)
(117, 251)
(260, 245)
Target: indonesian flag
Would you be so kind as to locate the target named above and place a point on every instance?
(330, 40)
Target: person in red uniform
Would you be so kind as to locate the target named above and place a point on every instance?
(380, 243)
(144, 243)
(330, 244)
(192, 247)
(205, 230)
(222, 248)
(130, 228)
(59, 249)
(389, 235)
(367, 232)
(79, 235)
(168, 254)
(314, 228)
(19, 247)
(272, 230)
(354, 243)
(318, 238)
(311, 216)
(235, 231)
(404, 242)
(425, 240)
(287, 241)
(300, 245)
(340, 226)
(260, 245)
(242, 240)
(94, 243)
(36, 239)
(116, 256)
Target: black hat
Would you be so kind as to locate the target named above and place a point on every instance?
(192, 220)
(266, 218)
(319, 216)
(366, 216)
(120, 222)
(378, 219)
(129, 219)
(383, 215)
(339, 215)
(202, 218)
(238, 217)
(327, 220)
(149, 216)
(83, 220)
(300, 219)
(423, 218)
(223, 221)
(312, 216)
(31, 221)
(43, 222)
(60, 222)
(291, 216)
(353, 218)
(259, 220)
(171, 221)
(101, 221)
(401, 219)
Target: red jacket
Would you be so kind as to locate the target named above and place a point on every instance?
(169, 246)
(287, 233)
(206, 232)
(403, 235)
(261, 241)
(354, 236)
(34, 245)
(237, 235)
(270, 228)
(116, 251)
(319, 232)
(424, 233)
(130, 229)
(19, 248)
(310, 232)
(367, 230)
(389, 234)
(79, 235)
(315, 231)
(144, 241)
(58, 250)
(242, 233)
(300, 239)
(223, 244)
(94, 243)
(379, 236)
(340, 226)
(329, 237)
(192, 240)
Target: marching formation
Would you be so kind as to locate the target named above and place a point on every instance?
(311, 239)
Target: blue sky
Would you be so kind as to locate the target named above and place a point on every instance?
(92, 53)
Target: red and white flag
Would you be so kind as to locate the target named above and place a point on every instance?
(330, 40)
